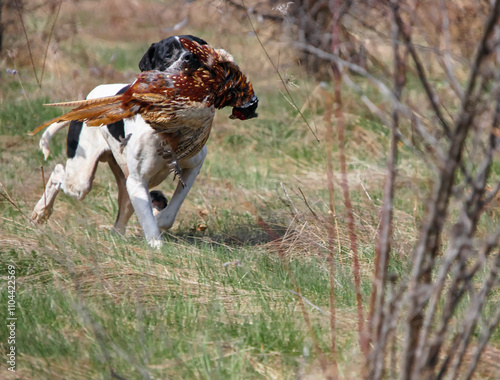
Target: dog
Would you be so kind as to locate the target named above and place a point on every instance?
(130, 149)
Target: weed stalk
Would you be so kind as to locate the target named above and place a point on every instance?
(344, 182)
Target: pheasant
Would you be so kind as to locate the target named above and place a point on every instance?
(179, 102)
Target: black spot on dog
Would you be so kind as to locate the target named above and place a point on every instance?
(75, 128)
(117, 130)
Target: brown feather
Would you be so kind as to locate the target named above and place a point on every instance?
(96, 112)
(87, 102)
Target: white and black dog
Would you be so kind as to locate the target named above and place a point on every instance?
(130, 148)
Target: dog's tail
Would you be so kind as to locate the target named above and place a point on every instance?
(94, 112)
(47, 136)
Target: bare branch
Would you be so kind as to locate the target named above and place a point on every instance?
(378, 319)
(446, 60)
(426, 249)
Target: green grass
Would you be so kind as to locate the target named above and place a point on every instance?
(20, 117)
(213, 304)
(189, 310)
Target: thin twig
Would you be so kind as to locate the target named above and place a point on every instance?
(297, 213)
(313, 306)
(428, 245)
(6, 196)
(291, 99)
(474, 312)
(331, 226)
(266, 16)
(445, 27)
(432, 97)
(363, 341)
(48, 41)
(378, 319)
(483, 340)
(307, 204)
(385, 91)
(18, 8)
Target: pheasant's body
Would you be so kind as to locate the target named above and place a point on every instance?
(181, 110)
(179, 103)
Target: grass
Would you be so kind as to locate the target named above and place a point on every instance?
(190, 310)
(211, 304)
(16, 121)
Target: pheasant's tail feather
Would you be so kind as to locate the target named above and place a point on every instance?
(110, 118)
(87, 102)
(95, 112)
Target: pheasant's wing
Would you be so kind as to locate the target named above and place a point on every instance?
(157, 96)
(169, 101)
(94, 111)
(151, 98)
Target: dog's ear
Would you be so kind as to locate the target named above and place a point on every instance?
(147, 62)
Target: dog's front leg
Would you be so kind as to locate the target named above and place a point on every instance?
(190, 170)
(144, 165)
(141, 200)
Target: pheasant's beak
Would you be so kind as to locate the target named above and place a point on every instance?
(247, 110)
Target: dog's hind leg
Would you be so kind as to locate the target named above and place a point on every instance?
(43, 209)
(75, 179)
(125, 208)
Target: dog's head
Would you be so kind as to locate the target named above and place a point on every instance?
(169, 53)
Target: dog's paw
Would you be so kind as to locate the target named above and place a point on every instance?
(156, 243)
(39, 217)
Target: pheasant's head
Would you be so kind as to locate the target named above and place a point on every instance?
(237, 92)
(231, 87)
(247, 109)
